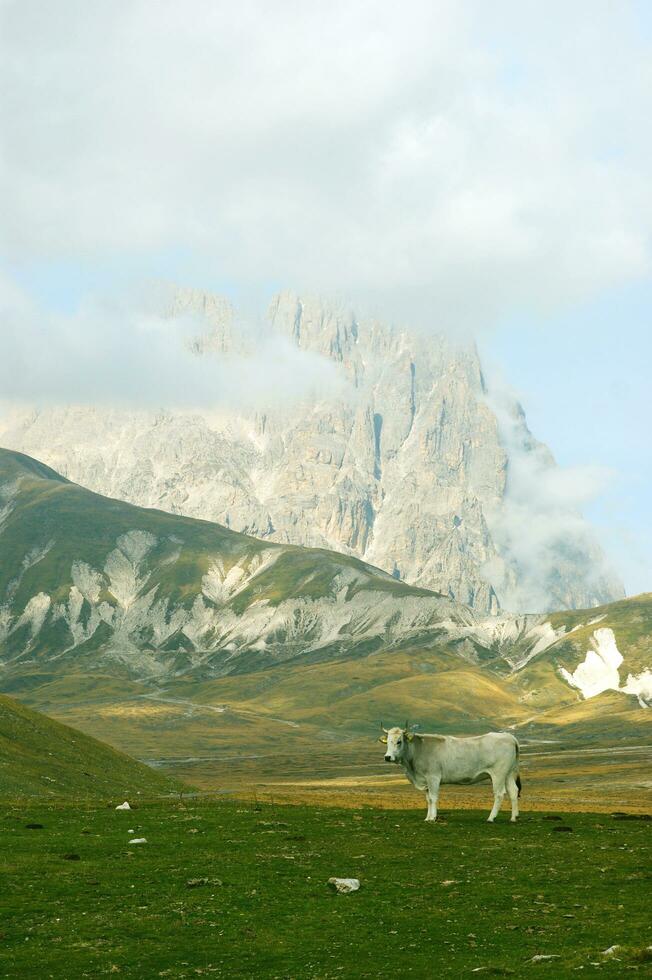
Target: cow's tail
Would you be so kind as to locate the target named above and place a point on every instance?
(518, 775)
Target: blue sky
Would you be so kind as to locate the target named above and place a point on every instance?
(584, 378)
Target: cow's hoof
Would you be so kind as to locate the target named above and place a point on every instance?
(490, 819)
(512, 819)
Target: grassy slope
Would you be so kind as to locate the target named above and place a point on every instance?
(608, 718)
(41, 757)
(631, 617)
(557, 704)
(429, 685)
(85, 526)
(435, 901)
(630, 620)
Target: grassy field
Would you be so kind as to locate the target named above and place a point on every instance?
(569, 777)
(232, 890)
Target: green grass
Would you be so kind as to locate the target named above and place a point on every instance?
(438, 900)
(41, 757)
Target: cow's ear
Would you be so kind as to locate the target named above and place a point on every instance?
(409, 736)
(383, 739)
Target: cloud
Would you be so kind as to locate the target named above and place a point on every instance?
(539, 528)
(129, 353)
(445, 162)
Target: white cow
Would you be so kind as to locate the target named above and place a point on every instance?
(430, 760)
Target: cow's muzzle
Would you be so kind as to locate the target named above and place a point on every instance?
(388, 758)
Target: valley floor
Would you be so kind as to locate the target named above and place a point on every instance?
(227, 746)
(230, 889)
(571, 777)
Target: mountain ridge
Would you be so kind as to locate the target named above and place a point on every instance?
(411, 472)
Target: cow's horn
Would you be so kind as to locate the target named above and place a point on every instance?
(383, 729)
(406, 725)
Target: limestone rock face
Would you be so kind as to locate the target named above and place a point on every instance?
(405, 467)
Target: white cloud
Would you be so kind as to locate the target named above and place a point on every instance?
(132, 354)
(539, 528)
(446, 161)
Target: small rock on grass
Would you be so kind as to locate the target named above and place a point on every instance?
(138, 840)
(197, 882)
(610, 950)
(123, 806)
(344, 886)
(542, 957)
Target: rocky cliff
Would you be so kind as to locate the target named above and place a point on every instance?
(406, 465)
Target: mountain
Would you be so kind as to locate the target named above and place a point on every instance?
(98, 587)
(410, 464)
(41, 757)
(97, 584)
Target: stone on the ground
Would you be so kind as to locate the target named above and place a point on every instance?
(344, 885)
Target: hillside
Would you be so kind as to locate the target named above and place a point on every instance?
(41, 757)
(96, 584)
(402, 462)
(581, 654)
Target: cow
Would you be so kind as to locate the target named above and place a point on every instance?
(430, 760)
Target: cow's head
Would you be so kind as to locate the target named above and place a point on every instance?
(396, 740)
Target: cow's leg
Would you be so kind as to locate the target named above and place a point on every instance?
(432, 796)
(512, 790)
(498, 784)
